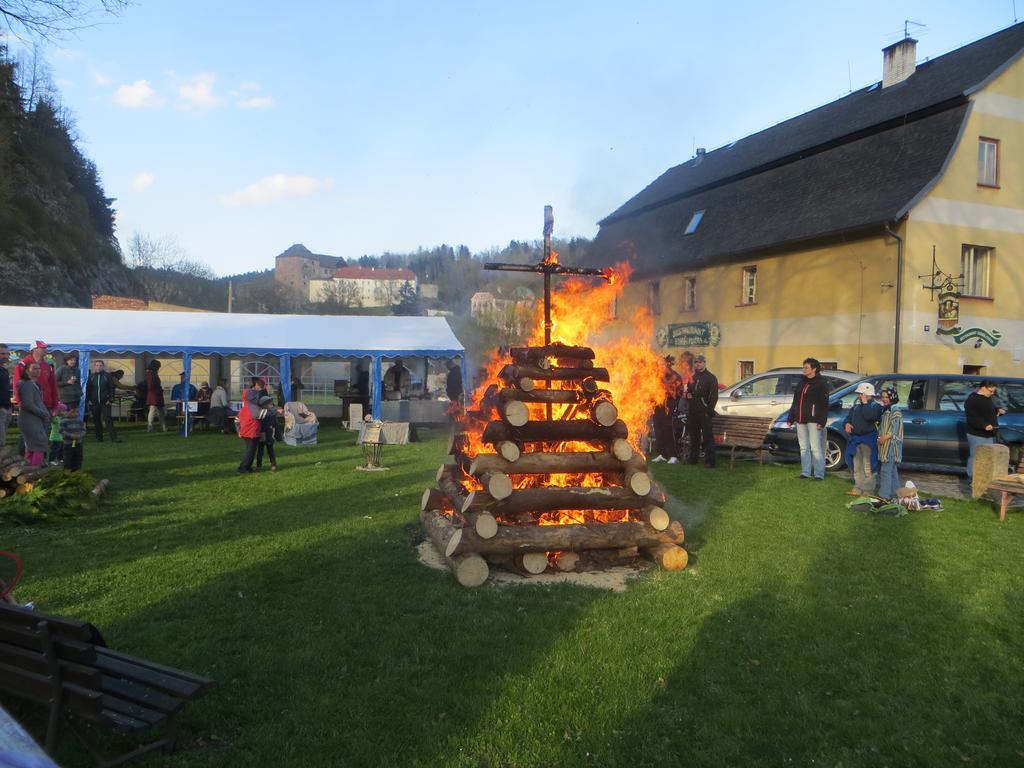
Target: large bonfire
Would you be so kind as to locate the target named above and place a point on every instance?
(547, 469)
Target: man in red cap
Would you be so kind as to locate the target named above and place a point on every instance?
(47, 381)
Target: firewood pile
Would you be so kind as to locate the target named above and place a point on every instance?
(542, 476)
(15, 475)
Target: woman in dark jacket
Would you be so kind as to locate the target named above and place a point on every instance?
(809, 412)
(34, 417)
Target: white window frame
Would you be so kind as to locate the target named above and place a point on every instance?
(988, 162)
(748, 286)
(740, 376)
(977, 283)
(689, 293)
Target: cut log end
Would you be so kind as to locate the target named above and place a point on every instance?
(621, 449)
(668, 556)
(526, 384)
(509, 451)
(453, 543)
(497, 484)
(605, 413)
(485, 525)
(516, 413)
(566, 561)
(470, 570)
(657, 518)
(532, 562)
(639, 483)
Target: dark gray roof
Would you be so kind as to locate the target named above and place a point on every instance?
(848, 189)
(807, 161)
(298, 249)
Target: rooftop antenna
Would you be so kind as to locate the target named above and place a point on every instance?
(906, 27)
(1014, 11)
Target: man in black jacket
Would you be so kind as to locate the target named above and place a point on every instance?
(5, 394)
(809, 412)
(99, 394)
(703, 397)
(982, 419)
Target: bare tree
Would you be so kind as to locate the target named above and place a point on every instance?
(51, 19)
(145, 252)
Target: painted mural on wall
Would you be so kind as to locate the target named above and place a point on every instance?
(685, 335)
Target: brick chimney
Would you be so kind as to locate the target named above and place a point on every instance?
(898, 61)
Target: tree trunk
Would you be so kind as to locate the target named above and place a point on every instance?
(435, 499)
(541, 462)
(604, 413)
(455, 492)
(470, 569)
(515, 413)
(554, 431)
(575, 538)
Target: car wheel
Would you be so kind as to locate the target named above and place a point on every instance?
(835, 452)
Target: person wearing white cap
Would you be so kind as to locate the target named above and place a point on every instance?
(861, 426)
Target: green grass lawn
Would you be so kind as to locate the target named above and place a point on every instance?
(803, 634)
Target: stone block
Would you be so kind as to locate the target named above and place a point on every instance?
(990, 461)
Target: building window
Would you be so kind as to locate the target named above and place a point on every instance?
(749, 286)
(976, 266)
(654, 297)
(829, 365)
(690, 293)
(694, 222)
(746, 369)
(988, 162)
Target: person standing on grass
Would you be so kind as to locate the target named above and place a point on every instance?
(861, 426)
(47, 381)
(34, 416)
(155, 397)
(703, 396)
(982, 414)
(219, 406)
(249, 427)
(99, 395)
(268, 426)
(809, 412)
(69, 383)
(890, 445)
(661, 419)
(5, 394)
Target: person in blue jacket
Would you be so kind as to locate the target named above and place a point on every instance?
(861, 426)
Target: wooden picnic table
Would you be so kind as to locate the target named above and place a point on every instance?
(1007, 490)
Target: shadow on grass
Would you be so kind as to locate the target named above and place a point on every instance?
(838, 669)
(343, 651)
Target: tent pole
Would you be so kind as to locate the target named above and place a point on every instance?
(83, 378)
(376, 384)
(187, 369)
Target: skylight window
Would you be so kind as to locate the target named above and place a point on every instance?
(694, 222)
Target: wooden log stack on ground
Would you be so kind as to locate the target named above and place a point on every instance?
(15, 475)
(562, 492)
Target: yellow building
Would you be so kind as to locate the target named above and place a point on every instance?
(852, 233)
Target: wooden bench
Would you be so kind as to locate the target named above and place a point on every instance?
(65, 665)
(741, 432)
(1007, 490)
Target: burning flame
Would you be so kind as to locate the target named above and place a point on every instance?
(581, 313)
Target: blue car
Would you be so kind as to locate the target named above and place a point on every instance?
(934, 426)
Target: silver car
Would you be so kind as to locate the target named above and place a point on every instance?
(770, 392)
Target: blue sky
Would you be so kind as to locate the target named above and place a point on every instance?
(239, 128)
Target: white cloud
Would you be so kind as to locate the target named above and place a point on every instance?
(138, 94)
(258, 102)
(198, 93)
(142, 180)
(271, 189)
(100, 79)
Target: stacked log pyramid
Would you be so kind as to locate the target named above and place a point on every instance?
(499, 509)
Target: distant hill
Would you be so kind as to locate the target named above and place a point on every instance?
(57, 244)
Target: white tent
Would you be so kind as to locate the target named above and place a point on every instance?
(205, 333)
